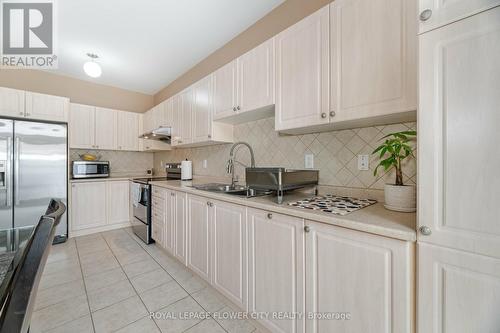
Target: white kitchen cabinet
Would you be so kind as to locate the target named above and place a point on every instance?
(458, 113)
(117, 202)
(373, 52)
(81, 126)
(366, 277)
(181, 220)
(302, 73)
(158, 215)
(12, 102)
(169, 112)
(88, 205)
(202, 110)
(147, 121)
(105, 128)
(46, 107)
(182, 118)
(255, 72)
(128, 131)
(198, 236)
(170, 216)
(225, 90)
(458, 292)
(434, 14)
(229, 251)
(276, 268)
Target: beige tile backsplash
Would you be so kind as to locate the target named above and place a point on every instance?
(121, 162)
(335, 154)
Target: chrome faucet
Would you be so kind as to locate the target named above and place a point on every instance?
(232, 159)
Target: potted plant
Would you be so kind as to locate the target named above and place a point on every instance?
(392, 152)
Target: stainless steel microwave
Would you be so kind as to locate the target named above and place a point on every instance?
(90, 169)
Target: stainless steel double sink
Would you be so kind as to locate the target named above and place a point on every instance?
(231, 189)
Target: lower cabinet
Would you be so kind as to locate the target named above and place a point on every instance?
(364, 281)
(276, 268)
(229, 251)
(99, 206)
(88, 205)
(198, 231)
(169, 230)
(158, 205)
(179, 203)
(457, 291)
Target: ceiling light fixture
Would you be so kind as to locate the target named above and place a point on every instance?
(91, 67)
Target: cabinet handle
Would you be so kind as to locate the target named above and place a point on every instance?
(234, 109)
(210, 204)
(425, 15)
(323, 115)
(269, 215)
(307, 228)
(425, 230)
(209, 136)
(332, 113)
(238, 107)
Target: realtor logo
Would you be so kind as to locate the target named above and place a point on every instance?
(28, 31)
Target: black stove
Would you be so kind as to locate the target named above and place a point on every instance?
(147, 180)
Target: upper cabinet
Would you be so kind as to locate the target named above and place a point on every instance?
(373, 61)
(128, 131)
(92, 127)
(11, 102)
(81, 126)
(344, 67)
(225, 91)
(25, 104)
(244, 88)
(434, 14)
(182, 111)
(302, 73)
(46, 107)
(105, 128)
(202, 109)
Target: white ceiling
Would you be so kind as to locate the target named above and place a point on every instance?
(145, 45)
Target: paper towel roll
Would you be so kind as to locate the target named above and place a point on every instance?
(186, 170)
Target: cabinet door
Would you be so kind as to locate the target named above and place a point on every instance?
(147, 121)
(46, 107)
(368, 277)
(105, 128)
(373, 61)
(169, 112)
(202, 110)
(199, 236)
(128, 131)
(176, 119)
(276, 268)
(169, 232)
(229, 273)
(434, 14)
(302, 73)
(117, 199)
(88, 205)
(458, 292)
(256, 77)
(225, 91)
(459, 114)
(158, 215)
(180, 226)
(81, 126)
(186, 117)
(11, 102)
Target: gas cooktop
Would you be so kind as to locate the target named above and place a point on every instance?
(330, 203)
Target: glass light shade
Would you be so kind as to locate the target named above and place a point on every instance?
(92, 69)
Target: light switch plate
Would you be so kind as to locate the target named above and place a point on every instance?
(363, 162)
(309, 161)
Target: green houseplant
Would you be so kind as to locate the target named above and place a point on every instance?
(392, 152)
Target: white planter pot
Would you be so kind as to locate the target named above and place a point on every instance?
(400, 198)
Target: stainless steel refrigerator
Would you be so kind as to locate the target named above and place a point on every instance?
(33, 170)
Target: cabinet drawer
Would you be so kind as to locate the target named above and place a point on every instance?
(158, 203)
(157, 215)
(158, 192)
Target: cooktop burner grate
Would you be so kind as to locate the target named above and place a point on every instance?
(334, 204)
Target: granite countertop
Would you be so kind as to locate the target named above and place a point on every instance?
(374, 219)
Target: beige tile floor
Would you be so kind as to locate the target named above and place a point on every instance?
(111, 281)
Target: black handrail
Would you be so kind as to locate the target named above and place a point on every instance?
(18, 306)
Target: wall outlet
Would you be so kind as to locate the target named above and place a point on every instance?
(363, 162)
(205, 164)
(309, 161)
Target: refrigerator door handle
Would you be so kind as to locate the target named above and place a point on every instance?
(17, 153)
(8, 173)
